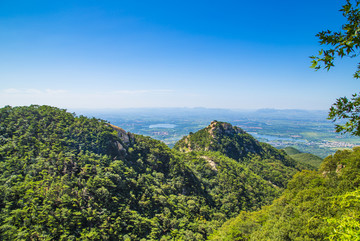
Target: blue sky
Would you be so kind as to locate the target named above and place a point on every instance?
(123, 54)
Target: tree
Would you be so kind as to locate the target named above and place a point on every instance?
(344, 43)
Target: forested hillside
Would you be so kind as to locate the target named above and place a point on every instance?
(271, 164)
(306, 158)
(68, 177)
(317, 205)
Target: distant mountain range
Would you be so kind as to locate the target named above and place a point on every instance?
(211, 113)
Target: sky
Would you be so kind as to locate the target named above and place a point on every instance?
(137, 54)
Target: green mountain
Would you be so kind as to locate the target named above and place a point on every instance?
(305, 158)
(220, 136)
(269, 163)
(72, 178)
(291, 151)
(68, 177)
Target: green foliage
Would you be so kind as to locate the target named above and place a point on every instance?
(305, 158)
(64, 177)
(241, 227)
(343, 43)
(322, 205)
(345, 109)
(232, 185)
(291, 150)
(347, 226)
(308, 158)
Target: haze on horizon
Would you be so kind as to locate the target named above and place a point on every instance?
(142, 54)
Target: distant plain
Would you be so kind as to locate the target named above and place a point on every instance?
(308, 131)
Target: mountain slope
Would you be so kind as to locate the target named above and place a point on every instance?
(305, 158)
(232, 186)
(74, 178)
(291, 150)
(223, 137)
(261, 158)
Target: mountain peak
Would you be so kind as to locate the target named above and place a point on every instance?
(224, 128)
(223, 137)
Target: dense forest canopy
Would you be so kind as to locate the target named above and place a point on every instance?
(305, 158)
(68, 177)
(317, 205)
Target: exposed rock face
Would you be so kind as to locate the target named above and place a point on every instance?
(126, 138)
(339, 168)
(225, 128)
(211, 162)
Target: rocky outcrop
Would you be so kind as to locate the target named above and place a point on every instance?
(125, 139)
